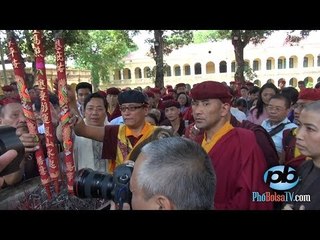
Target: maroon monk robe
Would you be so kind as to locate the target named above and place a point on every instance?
(263, 138)
(110, 142)
(116, 113)
(239, 165)
(289, 145)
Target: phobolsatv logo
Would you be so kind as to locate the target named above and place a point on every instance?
(281, 177)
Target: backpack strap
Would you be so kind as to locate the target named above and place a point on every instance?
(277, 129)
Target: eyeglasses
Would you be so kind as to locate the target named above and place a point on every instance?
(130, 108)
(275, 108)
(298, 106)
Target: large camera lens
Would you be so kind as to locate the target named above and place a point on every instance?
(92, 184)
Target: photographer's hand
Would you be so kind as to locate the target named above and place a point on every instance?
(29, 141)
(125, 206)
(7, 157)
(290, 207)
(75, 118)
(72, 99)
(22, 128)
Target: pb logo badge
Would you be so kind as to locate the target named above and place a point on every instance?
(281, 177)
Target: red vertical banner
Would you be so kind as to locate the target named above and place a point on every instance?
(55, 83)
(52, 152)
(19, 72)
(65, 112)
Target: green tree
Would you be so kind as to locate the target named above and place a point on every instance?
(203, 36)
(241, 38)
(163, 43)
(103, 53)
(249, 73)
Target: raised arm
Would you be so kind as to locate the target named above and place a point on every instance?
(83, 130)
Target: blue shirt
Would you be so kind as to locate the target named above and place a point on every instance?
(277, 138)
(117, 121)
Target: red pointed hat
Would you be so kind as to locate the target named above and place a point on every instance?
(310, 94)
(167, 97)
(211, 90)
(180, 85)
(7, 100)
(113, 91)
(102, 93)
(155, 90)
(171, 103)
(7, 88)
(150, 94)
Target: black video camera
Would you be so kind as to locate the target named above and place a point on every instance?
(93, 184)
(10, 141)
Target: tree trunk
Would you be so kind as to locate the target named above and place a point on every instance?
(238, 51)
(158, 46)
(238, 45)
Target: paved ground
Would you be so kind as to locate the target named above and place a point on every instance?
(30, 195)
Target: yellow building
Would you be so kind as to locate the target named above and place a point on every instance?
(272, 60)
(73, 75)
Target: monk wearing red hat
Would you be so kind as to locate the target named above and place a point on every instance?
(291, 155)
(167, 97)
(238, 160)
(172, 93)
(157, 98)
(173, 117)
(181, 87)
(281, 84)
(158, 103)
(151, 99)
(8, 90)
(113, 110)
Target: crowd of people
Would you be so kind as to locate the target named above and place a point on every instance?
(201, 147)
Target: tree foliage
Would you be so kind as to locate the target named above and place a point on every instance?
(239, 39)
(294, 37)
(103, 52)
(97, 50)
(203, 36)
(71, 37)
